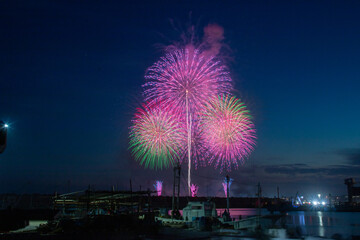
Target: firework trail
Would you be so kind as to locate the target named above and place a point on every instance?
(185, 80)
(224, 183)
(228, 132)
(158, 187)
(156, 137)
(194, 190)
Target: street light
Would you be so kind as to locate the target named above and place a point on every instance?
(3, 130)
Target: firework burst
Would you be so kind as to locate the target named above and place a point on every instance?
(186, 77)
(194, 190)
(184, 80)
(156, 137)
(158, 185)
(228, 132)
(224, 183)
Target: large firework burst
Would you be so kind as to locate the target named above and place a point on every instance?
(156, 137)
(228, 132)
(186, 77)
(185, 80)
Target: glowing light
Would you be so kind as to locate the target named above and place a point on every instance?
(224, 183)
(315, 203)
(189, 114)
(158, 187)
(184, 80)
(156, 137)
(323, 203)
(228, 132)
(319, 195)
(6, 126)
(186, 76)
(194, 189)
(296, 202)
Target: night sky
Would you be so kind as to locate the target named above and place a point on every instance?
(71, 76)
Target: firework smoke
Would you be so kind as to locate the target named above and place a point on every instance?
(213, 37)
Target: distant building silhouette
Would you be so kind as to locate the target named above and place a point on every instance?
(352, 191)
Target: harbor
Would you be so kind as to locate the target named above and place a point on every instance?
(146, 215)
(179, 120)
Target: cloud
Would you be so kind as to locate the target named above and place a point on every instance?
(293, 169)
(351, 155)
(303, 169)
(211, 44)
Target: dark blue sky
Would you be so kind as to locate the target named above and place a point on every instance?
(71, 76)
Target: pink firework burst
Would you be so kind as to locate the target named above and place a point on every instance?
(184, 80)
(228, 132)
(156, 137)
(186, 77)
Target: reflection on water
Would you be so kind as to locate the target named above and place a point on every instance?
(325, 224)
(321, 229)
(238, 213)
(242, 213)
(312, 223)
